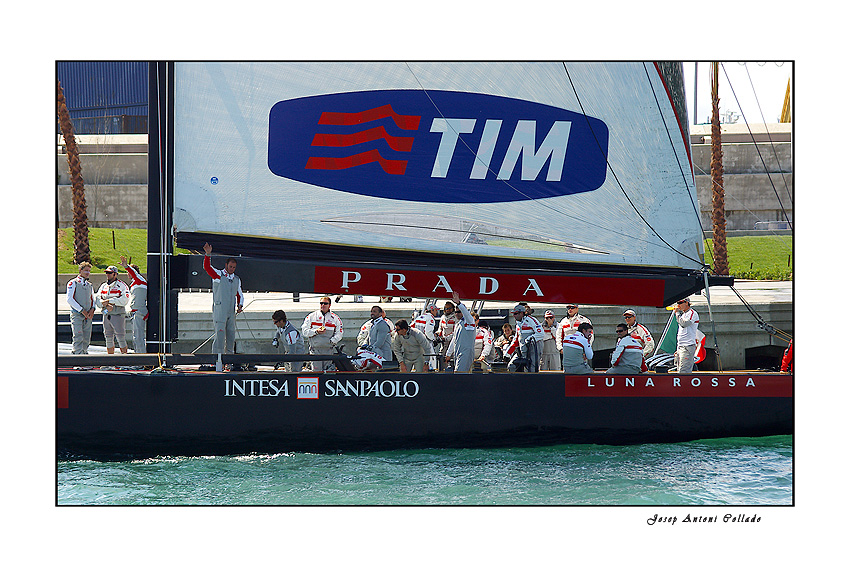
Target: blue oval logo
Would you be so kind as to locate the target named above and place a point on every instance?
(439, 146)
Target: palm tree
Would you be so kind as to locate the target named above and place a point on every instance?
(721, 262)
(78, 190)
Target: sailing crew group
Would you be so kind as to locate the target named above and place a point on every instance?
(456, 341)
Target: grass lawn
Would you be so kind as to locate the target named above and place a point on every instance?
(757, 257)
(131, 243)
(750, 257)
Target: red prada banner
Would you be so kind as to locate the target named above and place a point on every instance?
(497, 287)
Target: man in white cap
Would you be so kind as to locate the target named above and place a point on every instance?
(686, 338)
(527, 338)
(639, 332)
(569, 325)
(111, 297)
(323, 330)
(550, 358)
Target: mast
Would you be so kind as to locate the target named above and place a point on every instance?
(162, 300)
(721, 263)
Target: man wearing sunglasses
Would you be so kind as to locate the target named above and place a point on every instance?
(627, 358)
(569, 325)
(323, 330)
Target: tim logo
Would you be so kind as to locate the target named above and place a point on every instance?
(308, 388)
(439, 146)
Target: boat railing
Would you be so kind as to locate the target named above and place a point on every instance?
(170, 360)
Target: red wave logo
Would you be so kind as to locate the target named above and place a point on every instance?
(396, 143)
(354, 118)
(391, 166)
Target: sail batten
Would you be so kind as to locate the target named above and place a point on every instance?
(574, 163)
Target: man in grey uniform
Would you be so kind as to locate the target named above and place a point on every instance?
(410, 347)
(227, 297)
(80, 296)
(462, 344)
(293, 342)
(380, 334)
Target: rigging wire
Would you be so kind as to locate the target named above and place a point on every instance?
(760, 321)
(772, 232)
(537, 201)
(781, 206)
(767, 130)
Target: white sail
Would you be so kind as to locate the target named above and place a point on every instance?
(576, 162)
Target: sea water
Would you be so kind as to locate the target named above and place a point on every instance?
(738, 471)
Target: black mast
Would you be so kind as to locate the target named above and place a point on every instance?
(162, 299)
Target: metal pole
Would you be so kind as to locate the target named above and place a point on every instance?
(696, 66)
(713, 329)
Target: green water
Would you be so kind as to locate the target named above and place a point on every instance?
(751, 471)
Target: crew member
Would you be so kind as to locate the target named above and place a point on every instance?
(445, 331)
(526, 349)
(293, 342)
(227, 302)
(80, 296)
(578, 354)
(788, 358)
(111, 297)
(410, 345)
(686, 338)
(323, 330)
(550, 358)
(485, 352)
(380, 333)
(138, 315)
(504, 341)
(639, 332)
(461, 346)
(627, 357)
(569, 325)
(427, 323)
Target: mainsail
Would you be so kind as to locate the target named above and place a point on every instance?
(544, 181)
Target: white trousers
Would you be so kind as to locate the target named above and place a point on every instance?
(684, 358)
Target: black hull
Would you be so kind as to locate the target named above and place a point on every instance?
(119, 415)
